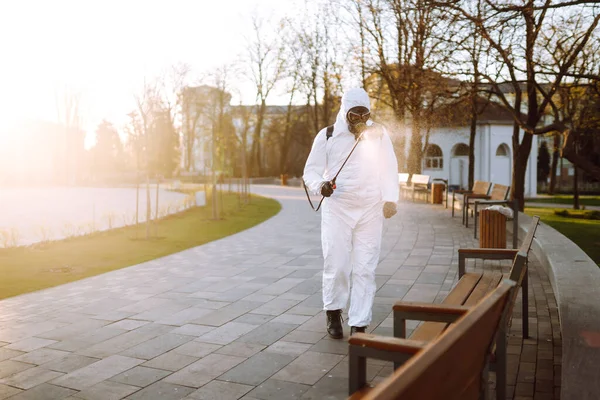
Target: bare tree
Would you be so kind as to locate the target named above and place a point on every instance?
(266, 66)
(533, 67)
(68, 112)
(408, 43)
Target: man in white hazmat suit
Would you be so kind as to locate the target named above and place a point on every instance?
(365, 191)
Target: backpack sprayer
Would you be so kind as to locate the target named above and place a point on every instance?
(329, 133)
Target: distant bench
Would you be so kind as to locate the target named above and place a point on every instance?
(418, 184)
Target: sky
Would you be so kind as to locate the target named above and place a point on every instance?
(104, 50)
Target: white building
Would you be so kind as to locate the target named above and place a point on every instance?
(447, 154)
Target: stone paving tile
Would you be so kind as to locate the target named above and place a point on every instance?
(140, 376)
(45, 392)
(226, 314)
(30, 344)
(30, 377)
(301, 336)
(331, 346)
(107, 390)
(257, 368)
(162, 391)
(275, 307)
(227, 333)
(289, 348)
(218, 390)
(254, 319)
(10, 367)
(128, 324)
(204, 370)
(289, 318)
(274, 389)
(125, 341)
(8, 391)
(41, 356)
(171, 361)
(97, 372)
(308, 368)
(6, 354)
(241, 349)
(197, 349)
(192, 330)
(70, 363)
(157, 346)
(185, 316)
(268, 333)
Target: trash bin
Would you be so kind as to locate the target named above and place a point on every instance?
(492, 229)
(437, 193)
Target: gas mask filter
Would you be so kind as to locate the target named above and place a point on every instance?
(357, 118)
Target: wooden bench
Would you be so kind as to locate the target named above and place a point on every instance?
(480, 188)
(469, 290)
(453, 366)
(418, 183)
(465, 254)
(499, 193)
(403, 179)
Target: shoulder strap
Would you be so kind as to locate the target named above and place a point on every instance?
(329, 131)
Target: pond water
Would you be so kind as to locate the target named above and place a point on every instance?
(32, 215)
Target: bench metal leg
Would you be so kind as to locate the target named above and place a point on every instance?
(453, 199)
(399, 332)
(462, 260)
(500, 366)
(358, 371)
(515, 224)
(475, 222)
(525, 294)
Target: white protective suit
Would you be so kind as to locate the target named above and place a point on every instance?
(352, 218)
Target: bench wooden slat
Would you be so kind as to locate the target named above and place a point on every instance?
(450, 368)
(499, 192)
(481, 187)
(429, 308)
(487, 283)
(458, 296)
(386, 343)
(511, 253)
(361, 393)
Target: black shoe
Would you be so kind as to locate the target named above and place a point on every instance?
(334, 324)
(357, 329)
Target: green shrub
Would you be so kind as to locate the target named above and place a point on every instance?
(561, 213)
(594, 214)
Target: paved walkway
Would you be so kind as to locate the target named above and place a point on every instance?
(242, 318)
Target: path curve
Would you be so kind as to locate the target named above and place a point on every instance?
(241, 315)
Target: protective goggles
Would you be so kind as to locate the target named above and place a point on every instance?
(354, 117)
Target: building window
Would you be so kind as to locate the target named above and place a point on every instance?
(434, 158)
(502, 150)
(460, 150)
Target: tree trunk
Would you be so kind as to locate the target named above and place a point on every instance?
(576, 205)
(256, 142)
(472, 134)
(416, 144)
(520, 159)
(148, 207)
(554, 166)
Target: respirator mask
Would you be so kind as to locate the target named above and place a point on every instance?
(357, 118)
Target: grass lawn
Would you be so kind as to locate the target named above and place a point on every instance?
(584, 232)
(25, 269)
(567, 199)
